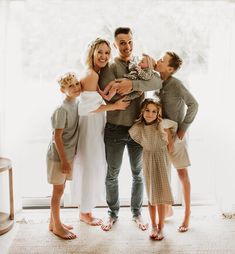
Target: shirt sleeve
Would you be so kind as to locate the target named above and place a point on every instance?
(169, 124)
(136, 133)
(192, 107)
(58, 119)
(106, 75)
(148, 85)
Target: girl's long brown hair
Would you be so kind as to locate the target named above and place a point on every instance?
(144, 104)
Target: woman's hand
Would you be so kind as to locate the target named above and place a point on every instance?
(122, 104)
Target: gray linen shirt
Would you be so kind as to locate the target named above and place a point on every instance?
(65, 117)
(117, 70)
(174, 98)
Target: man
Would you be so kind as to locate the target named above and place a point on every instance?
(116, 134)
(174, 97)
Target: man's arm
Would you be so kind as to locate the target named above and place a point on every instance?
(107, 74)
(192, 108)
(126, 85)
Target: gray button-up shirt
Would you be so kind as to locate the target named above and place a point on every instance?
(117, 70)
(174, 98)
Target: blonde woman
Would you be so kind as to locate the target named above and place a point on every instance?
(88, 186)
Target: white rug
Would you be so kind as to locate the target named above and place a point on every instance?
(209, 234)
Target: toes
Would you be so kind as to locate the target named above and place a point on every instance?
(143, 226)
(159, 237)
(183, 229)
(106, 228)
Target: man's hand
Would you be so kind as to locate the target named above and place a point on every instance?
(124, 86)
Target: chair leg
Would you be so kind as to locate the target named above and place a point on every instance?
(11, 194)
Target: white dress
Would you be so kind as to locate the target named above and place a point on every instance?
(89, 172)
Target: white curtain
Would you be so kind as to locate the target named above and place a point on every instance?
(43, 39)
(221, 104)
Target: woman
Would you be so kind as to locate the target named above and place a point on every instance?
(88, 187)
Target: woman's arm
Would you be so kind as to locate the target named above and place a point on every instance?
(118, 105)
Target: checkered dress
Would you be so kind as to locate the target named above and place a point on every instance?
(156, 162)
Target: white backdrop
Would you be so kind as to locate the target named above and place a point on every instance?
(43, 39)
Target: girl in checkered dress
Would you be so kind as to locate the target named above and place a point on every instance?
(155, 135)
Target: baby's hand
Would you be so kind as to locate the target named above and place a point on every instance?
(138, 69)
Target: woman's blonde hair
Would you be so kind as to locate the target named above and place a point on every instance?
(143, 107)
(91, 49)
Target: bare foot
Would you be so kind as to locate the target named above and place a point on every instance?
(87, 218)
(140, 223)
(106, 226)
(69, 227)
(184, 227)
(63, 233)
(153, 233)
(160, 235)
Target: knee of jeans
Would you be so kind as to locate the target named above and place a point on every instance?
(112, 175)
(138, 177)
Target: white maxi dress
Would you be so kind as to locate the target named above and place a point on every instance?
(89, 172)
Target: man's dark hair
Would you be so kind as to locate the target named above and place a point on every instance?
(122, 30)
(175, 60)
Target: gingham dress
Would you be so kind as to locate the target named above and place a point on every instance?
(156, 162)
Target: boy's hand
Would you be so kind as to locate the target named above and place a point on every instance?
(180, 134)
(65, 166)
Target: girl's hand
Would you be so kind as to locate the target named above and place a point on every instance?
(122, 104)
(170, 147)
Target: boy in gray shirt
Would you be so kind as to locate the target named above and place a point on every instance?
(174, 98)
(62, 149)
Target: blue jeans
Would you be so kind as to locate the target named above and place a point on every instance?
(116, 137)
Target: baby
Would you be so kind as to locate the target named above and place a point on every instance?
(144, 70)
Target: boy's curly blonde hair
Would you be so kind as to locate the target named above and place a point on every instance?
(67, 78)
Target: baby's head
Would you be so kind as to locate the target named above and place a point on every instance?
(70, 85)
(146, 62)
